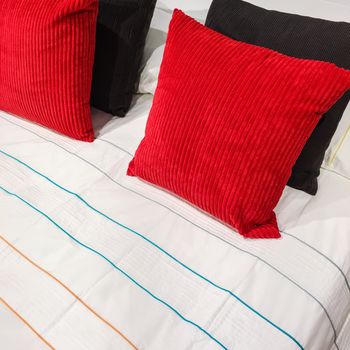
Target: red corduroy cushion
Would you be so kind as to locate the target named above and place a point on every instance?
(46, 60)
(228, 122)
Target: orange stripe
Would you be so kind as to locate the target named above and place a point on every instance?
(26, 323)
(71, 292)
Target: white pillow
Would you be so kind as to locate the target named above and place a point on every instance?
(162, 15)
(340, 155)
(194, 8)
(149, 75)
(156, 38)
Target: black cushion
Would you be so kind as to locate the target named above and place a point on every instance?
(297, 36)
(121, 32)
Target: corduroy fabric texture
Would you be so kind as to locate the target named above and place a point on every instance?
(120, 39)
(46, 59)
(298, 36)
(228, 122)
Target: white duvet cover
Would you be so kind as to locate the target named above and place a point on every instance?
(92, 259)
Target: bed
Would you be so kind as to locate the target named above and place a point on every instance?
(93, 259)
(90, 257)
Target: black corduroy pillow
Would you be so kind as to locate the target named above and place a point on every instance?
(121, 32)
(297, 36)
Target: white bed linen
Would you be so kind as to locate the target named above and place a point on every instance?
(87, 252)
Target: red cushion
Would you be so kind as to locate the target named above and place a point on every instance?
(46, 55)
(228, 122)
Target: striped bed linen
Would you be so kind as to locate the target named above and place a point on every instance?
(93, 259)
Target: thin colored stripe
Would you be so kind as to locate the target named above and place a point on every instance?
(173, 211)
(69, 291)
(114, 145)
(27, 323)
(335, 333)
(155, 245)
(324, 255)
(207, 231)
(202, 228)
(114, 265)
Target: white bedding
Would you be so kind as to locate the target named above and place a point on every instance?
(90, 257)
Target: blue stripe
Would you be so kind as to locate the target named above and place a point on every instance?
(114, 265)
(158, 247)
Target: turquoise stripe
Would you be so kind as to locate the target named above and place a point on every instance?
(158, 247)
(115, 266)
